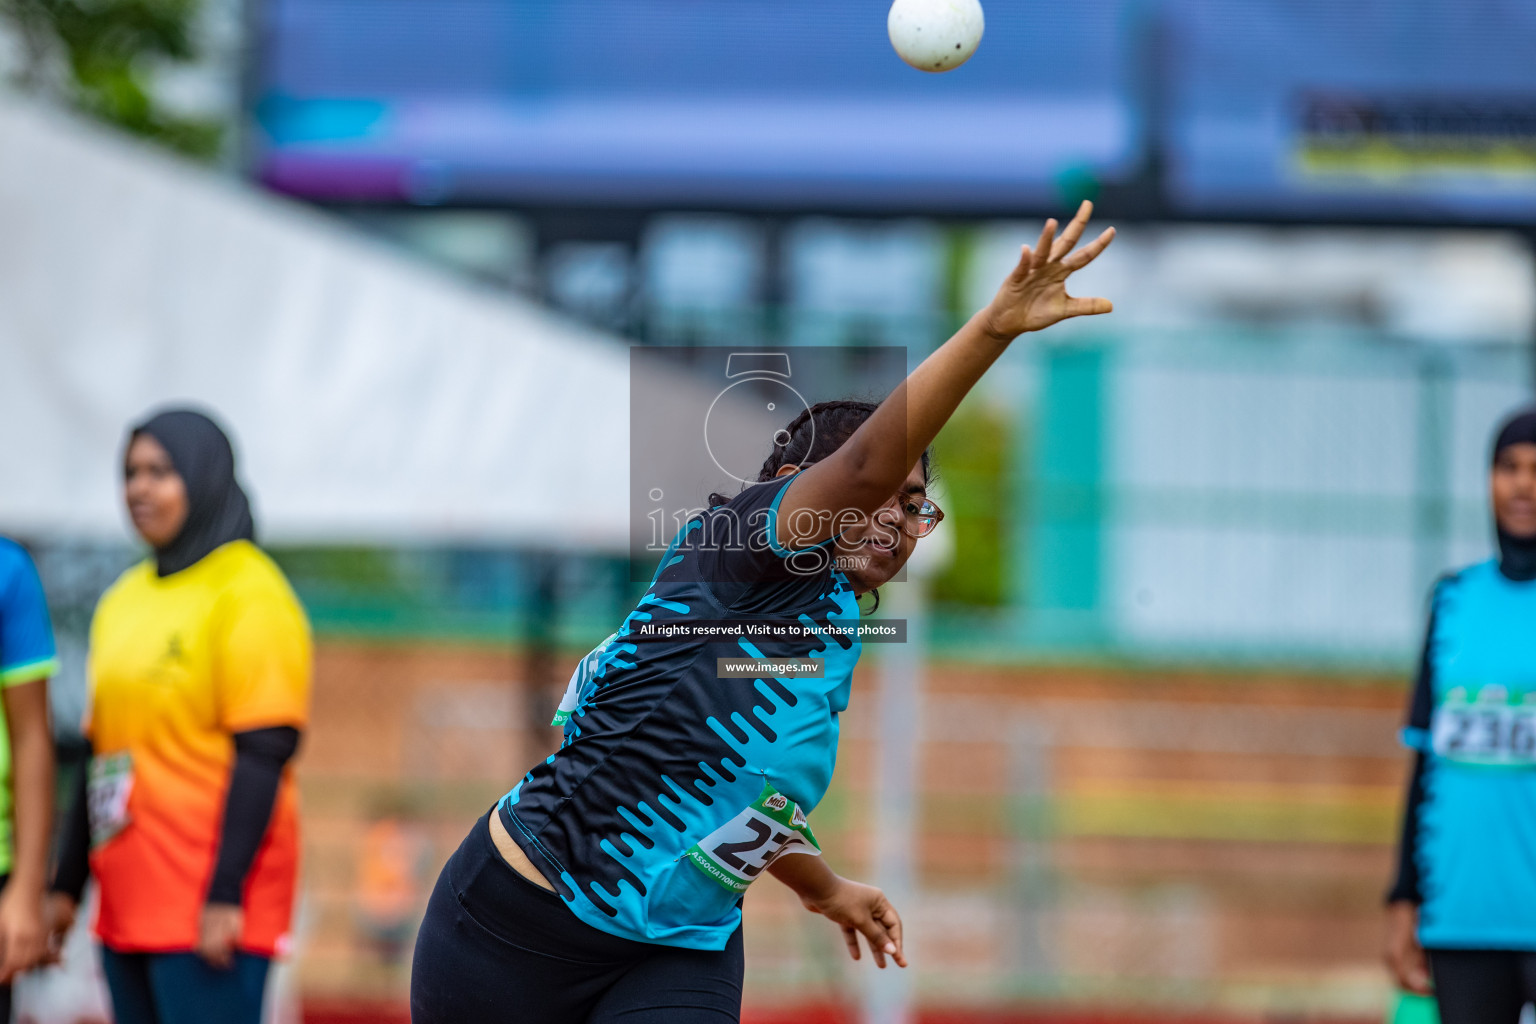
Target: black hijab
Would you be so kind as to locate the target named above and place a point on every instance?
(1517, 555)
(217, 509)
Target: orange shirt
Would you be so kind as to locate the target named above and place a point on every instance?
(177, 665)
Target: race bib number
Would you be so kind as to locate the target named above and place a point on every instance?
(1485, 733)
(106, 796)
(735, 854)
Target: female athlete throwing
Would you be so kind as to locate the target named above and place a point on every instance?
(607, 884)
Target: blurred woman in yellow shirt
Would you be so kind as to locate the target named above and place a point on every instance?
(200, 666)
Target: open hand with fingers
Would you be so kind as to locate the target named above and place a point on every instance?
(861, 910)
(857, 908)
(1035, 295)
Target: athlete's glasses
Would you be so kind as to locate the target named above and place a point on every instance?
(919, 516)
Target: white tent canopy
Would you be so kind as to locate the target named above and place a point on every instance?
(370, 398)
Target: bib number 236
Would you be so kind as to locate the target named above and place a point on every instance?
(735, 854)
(1486, 734)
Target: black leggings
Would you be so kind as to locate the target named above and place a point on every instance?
(1481, 986)
(497, 949)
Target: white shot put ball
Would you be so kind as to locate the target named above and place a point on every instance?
(936, 35)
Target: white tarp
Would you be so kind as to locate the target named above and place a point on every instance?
(370, 397)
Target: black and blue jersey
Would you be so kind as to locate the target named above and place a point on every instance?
(1468, 852)
(675, 788)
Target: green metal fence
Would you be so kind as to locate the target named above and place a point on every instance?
(1282, 496)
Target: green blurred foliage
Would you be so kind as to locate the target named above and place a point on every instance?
(110, 49)
(360, 569)
(959, 265)
(972, 459)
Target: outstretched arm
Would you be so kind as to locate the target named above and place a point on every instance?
(865, 472)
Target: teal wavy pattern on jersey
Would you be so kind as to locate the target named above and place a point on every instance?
(658, 753)
(1476, 845)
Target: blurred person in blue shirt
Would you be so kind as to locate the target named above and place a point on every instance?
(1462, 912)
(27, 662)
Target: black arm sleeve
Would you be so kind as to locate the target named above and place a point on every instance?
(260, 755)
(74, 865)
(1406, 887)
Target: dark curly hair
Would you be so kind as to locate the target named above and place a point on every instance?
(813, 435)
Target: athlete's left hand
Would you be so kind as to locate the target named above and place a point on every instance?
(218, 933)
(862, 909)
(1035, 295)
(1405, 957)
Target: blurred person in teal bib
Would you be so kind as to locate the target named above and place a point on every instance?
(1462, 912)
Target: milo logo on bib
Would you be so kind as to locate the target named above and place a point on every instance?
(736, 853)
(1490, 726)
